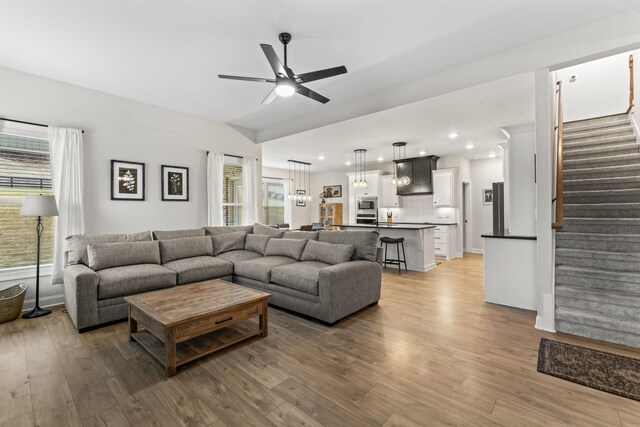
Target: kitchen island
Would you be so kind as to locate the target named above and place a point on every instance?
(418, 242)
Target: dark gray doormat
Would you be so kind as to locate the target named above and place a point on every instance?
(596, 369)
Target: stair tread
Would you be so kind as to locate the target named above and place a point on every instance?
(602, 159)
(613, 123)
(589, 253)
(633, 297)
(593, 272)
(600, 320)
(612, 205)
(607, 191)
(631, 178)
(598, 236)
(595, 149)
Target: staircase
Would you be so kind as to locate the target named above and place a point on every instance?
(598, 249)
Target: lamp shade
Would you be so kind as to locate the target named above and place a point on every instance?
(39, 205)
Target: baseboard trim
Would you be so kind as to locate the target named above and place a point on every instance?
(45, 302)
(475, 251)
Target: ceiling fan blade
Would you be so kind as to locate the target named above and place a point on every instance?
(275, 63)
(311, 94)
(272, 95)
(321, 74)
(247, 79)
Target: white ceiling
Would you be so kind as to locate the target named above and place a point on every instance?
(476, 114)
(168, 52)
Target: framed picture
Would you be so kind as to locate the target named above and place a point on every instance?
(301, 203)
(175, 183)
(487, 196)
(127, 180)
(332, 191)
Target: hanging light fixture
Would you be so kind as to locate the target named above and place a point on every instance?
(360, 168)
(401, 148)
(299, 180)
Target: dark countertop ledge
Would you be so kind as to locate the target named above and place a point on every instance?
(391, 226)
(504, 234)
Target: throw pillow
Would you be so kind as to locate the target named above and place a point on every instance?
(267, 231)
(77, 244)
(185, 247)
(291, 248)
(256, 243)
(329, 253)
(365, 242)
(309, 235)
(228, 242)
(108, 255)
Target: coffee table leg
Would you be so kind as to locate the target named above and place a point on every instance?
(133, 325)
(264, 320)
(170, 351)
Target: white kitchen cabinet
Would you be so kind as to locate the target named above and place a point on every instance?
(444, 188)
(445, 241)
(389, 197)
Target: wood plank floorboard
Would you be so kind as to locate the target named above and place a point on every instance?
(432, 352)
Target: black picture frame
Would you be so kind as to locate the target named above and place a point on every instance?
(128, 181)
(168, 189)
(332, 191)
(301, 203)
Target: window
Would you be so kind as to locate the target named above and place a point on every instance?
(232, 203)
(273, 201)
(24, 169)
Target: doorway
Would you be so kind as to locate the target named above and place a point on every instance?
(466, 217)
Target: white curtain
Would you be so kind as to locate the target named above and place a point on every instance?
(215, 189)
(249, 191)
(65, 147)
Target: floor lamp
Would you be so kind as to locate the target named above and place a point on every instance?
(39, 206)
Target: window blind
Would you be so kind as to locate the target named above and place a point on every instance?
(24, 169)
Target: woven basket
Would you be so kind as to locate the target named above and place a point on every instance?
(11, 300)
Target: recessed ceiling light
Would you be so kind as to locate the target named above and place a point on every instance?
(453, 135)
(380, 158)
(320, 157)
(469, 146)
(492, 155)
(348, 163)
(422, 153)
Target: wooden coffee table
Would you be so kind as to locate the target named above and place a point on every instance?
(187, 322)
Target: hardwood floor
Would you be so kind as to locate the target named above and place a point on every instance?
(431, 353)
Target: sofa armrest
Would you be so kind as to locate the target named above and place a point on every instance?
(346, 288)
(81, 295)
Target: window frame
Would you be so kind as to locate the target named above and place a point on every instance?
(234, 161)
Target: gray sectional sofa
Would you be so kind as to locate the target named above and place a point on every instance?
(326, 275)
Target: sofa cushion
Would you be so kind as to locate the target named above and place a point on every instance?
(133, 279)
(291, 248)
(329, 253)
(365, 242)
(260, 268)
(77, 244)
(212, 231)
(307, 235)
(240, 255)
(267, 231)
(108, 255)
(301, 276)
(177, 234)
(256, 243)
(185, 247)
(228, 242)
(200, 268)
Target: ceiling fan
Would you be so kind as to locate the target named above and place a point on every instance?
(286, 81)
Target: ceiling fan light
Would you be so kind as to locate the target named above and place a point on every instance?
(284, 88)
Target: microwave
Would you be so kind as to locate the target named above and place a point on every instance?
(367, 204)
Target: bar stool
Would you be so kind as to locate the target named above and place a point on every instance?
(394, 261)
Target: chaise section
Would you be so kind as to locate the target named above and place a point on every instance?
(197, 269)
(301, 276)
(133, 279)
(260, 268)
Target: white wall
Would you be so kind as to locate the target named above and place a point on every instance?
(484, 172)
(601, 87)
(322, 179)
(118, 128)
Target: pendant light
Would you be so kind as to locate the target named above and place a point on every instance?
(299, 179)
(360, 168)
(401, 148)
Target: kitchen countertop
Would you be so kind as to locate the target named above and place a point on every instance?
(397, 226)
(504, 234)
(421, 223)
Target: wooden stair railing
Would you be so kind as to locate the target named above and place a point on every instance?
(631, 100)
(559, 219)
